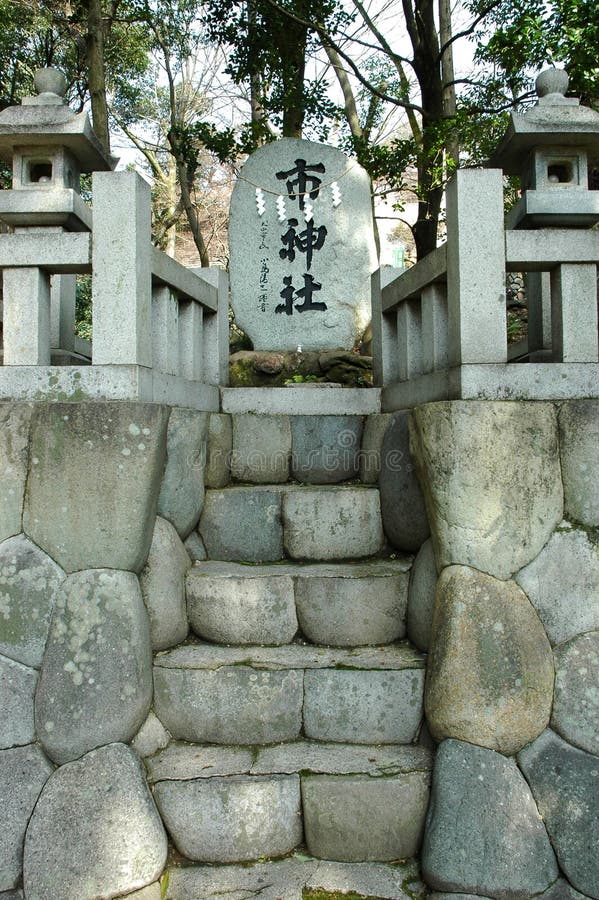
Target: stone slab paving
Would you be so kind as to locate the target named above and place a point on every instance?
(286, 879)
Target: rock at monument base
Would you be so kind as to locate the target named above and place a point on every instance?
(575, 713)
(182, 491)
(562, 583)
(483, 832)
(162, 582)
(490, 673)
(95, 831)
(232, 819)
(17, 689)
(565, 784)
(29, 581)
(579, 446)
(358, 818)
(15, 419)
(402, 505)
(95, 685)
(465, 452)
(94, 480)
(23, 773)
(290, 283)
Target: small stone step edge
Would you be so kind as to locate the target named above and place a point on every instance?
(287, 878)
(198, 655)
(377, 567)
(187, 762)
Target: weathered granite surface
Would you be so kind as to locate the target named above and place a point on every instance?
(332, 523)
(151, 737)
(490, 673)
(565, 785)
(358, 818)
(579, 448)
(326, 449)
(261, 448)
(182, 490)
(371, 451)
(483, 832)
(162, 582)
(232, 819)
(23, 773)
(239, 605)
(563, 584)
(219, 449)
(269, 238)
(17, 690)
(95, 685)
(403, 510)
(94, 479)
(15, 420)
(29, 582)
(576, 705)
(95, 831)
(464, 452)
(242, 523)
(421, 596)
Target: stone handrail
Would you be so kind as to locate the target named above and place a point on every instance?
(165, 323)
(440, 329)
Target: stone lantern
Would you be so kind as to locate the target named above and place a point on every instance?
(550, 147)
(49, 147)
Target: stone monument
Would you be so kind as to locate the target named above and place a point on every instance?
(302, 247)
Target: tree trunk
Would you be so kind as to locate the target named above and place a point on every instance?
(95, 67)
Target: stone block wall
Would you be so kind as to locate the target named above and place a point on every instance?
(512, 687)
(104, 506)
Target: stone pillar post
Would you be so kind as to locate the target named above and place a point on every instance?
(26, 314)
(122, 267)
(476, 267)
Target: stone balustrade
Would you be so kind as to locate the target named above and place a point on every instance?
(440, 331)
(160, 330)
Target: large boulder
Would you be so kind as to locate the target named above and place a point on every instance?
(162, 583)
(565, 784)
(402, 504)
(483, 832)
(492, 480)
(490, 673)
(23, 773)
(29, 582)
(579, 446)
(95, 685)
(94, 481)
(95, 831)
(182, 491)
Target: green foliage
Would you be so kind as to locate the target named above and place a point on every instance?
(83, 307)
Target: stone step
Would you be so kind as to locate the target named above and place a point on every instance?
(346, 802)
(270, 522)
(286, 879)
(257, 695)
(334, 604)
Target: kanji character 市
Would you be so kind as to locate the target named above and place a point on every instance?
(304, 183)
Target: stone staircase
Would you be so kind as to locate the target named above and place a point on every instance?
(295, 707)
